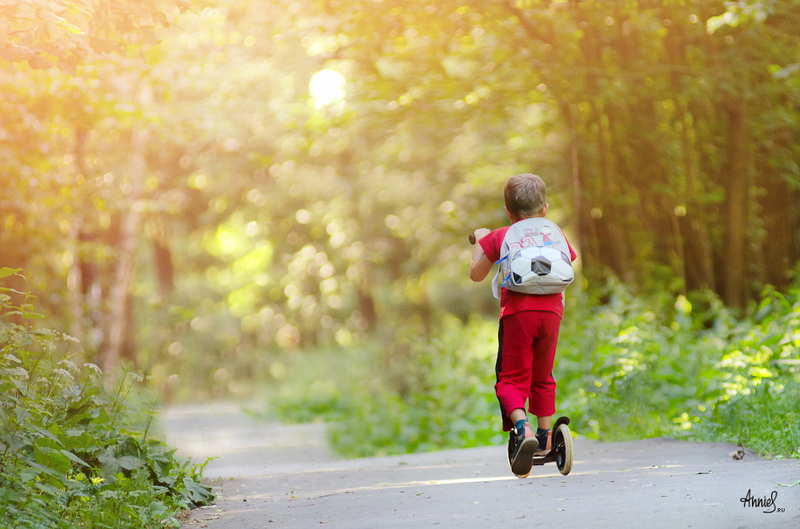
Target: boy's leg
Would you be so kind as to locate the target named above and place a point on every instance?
(513, 370)
(518, 415)
(542, 392)
(513, 367)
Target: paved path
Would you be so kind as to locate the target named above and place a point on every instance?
(285, 477)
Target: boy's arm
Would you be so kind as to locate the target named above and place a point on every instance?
(480, 266)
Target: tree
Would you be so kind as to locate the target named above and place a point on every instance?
(67, 32)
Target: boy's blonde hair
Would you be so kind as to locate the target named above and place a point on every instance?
(525, 195)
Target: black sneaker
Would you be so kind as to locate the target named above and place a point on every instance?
(521, 447)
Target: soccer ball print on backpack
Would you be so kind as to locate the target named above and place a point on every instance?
(534, 259)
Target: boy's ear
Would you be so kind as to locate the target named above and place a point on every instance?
(508, 214)
(546, 207)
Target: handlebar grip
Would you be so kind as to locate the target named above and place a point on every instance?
(472, 238)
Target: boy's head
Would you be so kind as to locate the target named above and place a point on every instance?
(525, 196)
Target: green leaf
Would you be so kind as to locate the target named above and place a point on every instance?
(48, 489)
(46, 434)
(68, 65)
(44, 469)
(129, 462)
(75, 459)
(101, 417)
(198, 493)
(7, 272)
(39, 63)
(54, 459)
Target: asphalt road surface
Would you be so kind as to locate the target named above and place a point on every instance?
(278, 476)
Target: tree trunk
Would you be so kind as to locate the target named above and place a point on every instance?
(129, 233)
(615, 244)
(737, 191)
(776, 208)
(75, 284)
(581, 244)
(165, 270)
(699, 268)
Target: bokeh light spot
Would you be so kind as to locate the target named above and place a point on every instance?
(327, 86)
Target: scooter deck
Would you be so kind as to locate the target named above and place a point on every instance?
(545, 456)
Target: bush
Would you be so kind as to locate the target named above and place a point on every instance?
(73, 454)
(643, 367)
(441, 397)
(629, 368)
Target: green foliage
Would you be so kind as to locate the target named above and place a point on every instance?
(432, 395)
(440, 396)
(646, 367)
(633, 367)
(767, 420)
(270, 221)
(73, 454)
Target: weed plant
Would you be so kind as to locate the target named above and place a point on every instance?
(628, 368)
(73, 454)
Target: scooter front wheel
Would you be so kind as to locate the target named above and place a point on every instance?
(562, 444)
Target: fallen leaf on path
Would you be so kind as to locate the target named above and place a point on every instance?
(738, 454)
(796, 483)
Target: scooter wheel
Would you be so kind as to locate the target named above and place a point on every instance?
(562, 444)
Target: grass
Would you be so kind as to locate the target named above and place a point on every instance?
(767, 421)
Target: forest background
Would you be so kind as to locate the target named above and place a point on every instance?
(272, 199)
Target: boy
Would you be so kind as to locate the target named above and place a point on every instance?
(528, 332)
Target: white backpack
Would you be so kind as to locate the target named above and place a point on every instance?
(534, 259)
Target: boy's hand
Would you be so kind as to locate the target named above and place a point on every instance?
(480, 233)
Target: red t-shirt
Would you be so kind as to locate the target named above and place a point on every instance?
(510, 301)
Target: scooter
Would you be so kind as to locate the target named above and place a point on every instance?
(561, 448)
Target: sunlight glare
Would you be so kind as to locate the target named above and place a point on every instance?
(326, 87)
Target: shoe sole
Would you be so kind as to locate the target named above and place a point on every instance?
(522, 464)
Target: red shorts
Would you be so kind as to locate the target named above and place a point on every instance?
(527, 349)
